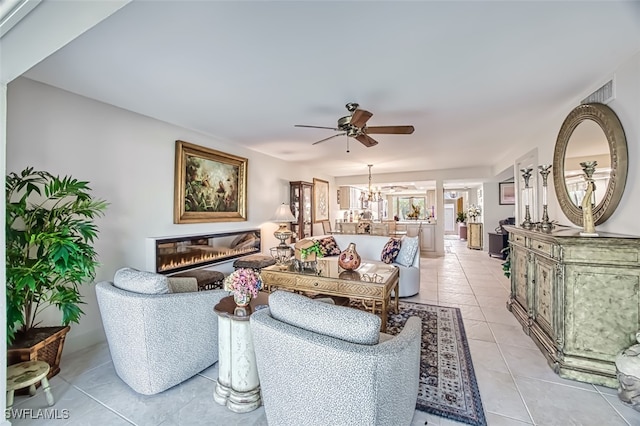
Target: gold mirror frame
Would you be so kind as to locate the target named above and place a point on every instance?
(612, 128)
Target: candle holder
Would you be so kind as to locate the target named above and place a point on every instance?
(545, 224)
(589, 167)
(526, 174)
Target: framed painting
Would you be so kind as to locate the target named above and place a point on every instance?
(507, 193)
(210, 186)
(320, 210)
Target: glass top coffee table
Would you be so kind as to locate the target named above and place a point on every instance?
(372, 283)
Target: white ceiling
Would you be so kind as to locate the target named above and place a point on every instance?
(472, 77)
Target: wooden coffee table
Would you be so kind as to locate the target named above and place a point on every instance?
(372, 283)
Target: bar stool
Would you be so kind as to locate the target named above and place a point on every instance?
(25, 374)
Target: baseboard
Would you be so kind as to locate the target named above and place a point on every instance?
(77, 342)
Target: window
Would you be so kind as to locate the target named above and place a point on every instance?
(402, 207)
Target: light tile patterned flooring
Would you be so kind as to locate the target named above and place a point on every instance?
(516, 385)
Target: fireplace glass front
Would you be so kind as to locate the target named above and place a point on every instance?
(176, 254)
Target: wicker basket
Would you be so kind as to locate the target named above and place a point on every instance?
(48, 346)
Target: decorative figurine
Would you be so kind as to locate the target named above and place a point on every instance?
(589, 168)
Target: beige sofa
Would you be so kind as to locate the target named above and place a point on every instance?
(370, 247)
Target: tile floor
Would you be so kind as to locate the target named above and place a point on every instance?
(516, 385)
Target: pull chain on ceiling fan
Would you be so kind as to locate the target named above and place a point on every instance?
(355, 126)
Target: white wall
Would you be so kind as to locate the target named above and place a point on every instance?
(129, 161)
(493, 212)
(627, 106)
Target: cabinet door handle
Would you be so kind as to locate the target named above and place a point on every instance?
(539, 247)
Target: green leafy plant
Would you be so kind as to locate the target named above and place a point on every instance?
(462, 217)
(49, 234)
(506, 265)
(315, 248)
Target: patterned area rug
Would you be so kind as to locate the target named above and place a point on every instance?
(448, 386)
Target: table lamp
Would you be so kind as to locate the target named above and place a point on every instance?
(283, 216)
(282, 253)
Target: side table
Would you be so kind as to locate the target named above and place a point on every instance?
(27, 374)
(254, 261)
(207, 279)
(238, 385)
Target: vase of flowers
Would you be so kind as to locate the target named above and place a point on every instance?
(473, 212)
(244, 283)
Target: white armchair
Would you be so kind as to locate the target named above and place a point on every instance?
(158, 338)
(322, 364)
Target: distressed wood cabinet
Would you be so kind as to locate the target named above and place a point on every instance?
(578, 298)
(474, 231)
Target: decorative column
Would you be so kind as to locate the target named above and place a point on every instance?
(545, 224)
(526, 175)
(589, 167)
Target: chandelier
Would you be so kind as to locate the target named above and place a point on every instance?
(367, 198)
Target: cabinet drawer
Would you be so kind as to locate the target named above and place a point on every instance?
(278, 280)
(518, 239)
(542, 247)
(314, 284)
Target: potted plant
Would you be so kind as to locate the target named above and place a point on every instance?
(461, 218)
(49, 254)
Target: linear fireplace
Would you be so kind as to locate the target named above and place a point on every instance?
(167, 255)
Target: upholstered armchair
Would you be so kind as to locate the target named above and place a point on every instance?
(322, 364)
(159, 331)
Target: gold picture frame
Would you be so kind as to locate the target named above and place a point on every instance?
(210, 185)
(320, 210)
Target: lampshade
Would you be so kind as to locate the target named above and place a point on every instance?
(283, 214)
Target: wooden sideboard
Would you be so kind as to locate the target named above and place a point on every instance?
(577, 297)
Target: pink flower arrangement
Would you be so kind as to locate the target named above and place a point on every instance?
(244, 281)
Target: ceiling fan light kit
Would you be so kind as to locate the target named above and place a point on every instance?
(354, 126)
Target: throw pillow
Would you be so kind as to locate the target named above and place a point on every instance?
(141, 281)
(408, 248)
(329, 247)
(390, 250)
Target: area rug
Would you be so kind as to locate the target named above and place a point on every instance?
(448, 386)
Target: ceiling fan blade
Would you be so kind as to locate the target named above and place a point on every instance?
(330, 137)
(366, 140)
(360, 118)
(315, 127)
(390, 130)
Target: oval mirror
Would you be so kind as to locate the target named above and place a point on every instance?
(591, 132)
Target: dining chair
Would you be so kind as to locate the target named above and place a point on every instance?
(326, 227)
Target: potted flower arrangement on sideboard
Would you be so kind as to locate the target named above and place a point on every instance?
(50, 230)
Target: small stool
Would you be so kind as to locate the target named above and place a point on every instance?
(254, 261)
(207, 279)
(28, 374)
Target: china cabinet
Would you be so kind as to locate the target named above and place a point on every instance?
(578, 298)
(300, 199)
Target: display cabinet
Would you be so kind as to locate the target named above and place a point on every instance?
(577, 297)
(301, 198)
(474, 231)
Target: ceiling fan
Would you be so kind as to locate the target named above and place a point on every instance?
(354, 126)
